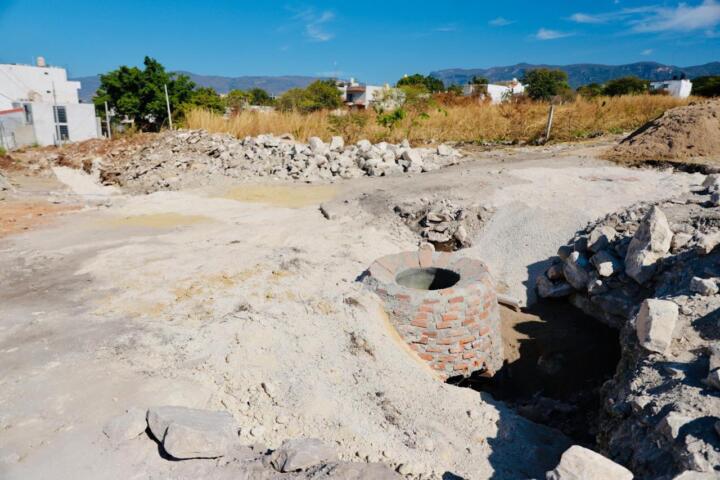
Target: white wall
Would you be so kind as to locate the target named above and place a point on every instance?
(82, 124)
(27, 83)
(676, 88)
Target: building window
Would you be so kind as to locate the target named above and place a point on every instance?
(28, 113)
(61, 127)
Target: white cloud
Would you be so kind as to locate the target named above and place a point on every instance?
(315, 24)
(500, 22)
(447, 28)
(585, 18)
(547, 34)
(647, 51)
(683, 18)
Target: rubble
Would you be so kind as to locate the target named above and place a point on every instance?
(659, 410)
(302, 453)
(191, 433)
(190, 158)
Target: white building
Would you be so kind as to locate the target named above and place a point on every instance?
(498, 93)
(38, 105)
(674, 88)
(355, 95)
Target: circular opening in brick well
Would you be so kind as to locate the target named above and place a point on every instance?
(427, 278)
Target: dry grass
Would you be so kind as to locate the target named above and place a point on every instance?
(463, 121)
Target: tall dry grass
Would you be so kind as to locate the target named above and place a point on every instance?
(461, 122)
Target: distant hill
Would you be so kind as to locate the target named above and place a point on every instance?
(580, 74)
(274, 85)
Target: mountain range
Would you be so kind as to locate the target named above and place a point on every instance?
(581, 73)
(578, 74)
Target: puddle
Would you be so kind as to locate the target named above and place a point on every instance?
(289, 196)
(155, 220)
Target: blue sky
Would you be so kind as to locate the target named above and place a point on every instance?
(374, 41)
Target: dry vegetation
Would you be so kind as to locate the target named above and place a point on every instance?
(461, 121)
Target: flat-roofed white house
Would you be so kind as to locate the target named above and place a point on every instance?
(674, 88)
(39, 105)
(356, 95)
(498, 93)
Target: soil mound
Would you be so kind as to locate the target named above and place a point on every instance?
(683, 133)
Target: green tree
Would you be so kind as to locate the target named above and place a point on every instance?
(431, 84)
(626, 86)
(591, 90)
(258, 96)
(236, 100)
(479, 81)
(319, 95)
(207, 98)
(544, 83)
(708, 86)
(140, 95)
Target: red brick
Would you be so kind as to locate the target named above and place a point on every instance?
(444, 325)
(469, 321)
(456, 300)
(447, 292)
(423, 340)
(448, 358)
(419, 323)
(447, 341)
(426, 309)
(484, 315)
(403, 298)
(436, 349)
(425, 356)
(430, 301)
(430, 333)
(456, 350)
(439, 366)
(484, 331)
(449, 317)
(473, 301)
(468, 355)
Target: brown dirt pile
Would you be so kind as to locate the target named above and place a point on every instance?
(680, 134)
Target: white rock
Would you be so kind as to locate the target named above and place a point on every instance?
(364, 146)
(579, 463)
(127, 426)
(606, 263)
(301, 453)
(671, 424)
(679, 241)
(317, 145)
(444, 150)
(191, 433)
(575, 269)
(601, 237)
(655, 324)
(706, 243)
(337, 143)
(703, 286)
(651, 242)
(712, 181)
(413, 156)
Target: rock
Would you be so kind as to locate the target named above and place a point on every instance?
(301, 453)
(337, 144)
(127, 426)
(650, 243)
(706, 243)
(713, 378)
(444, 150)
(715, 198)
(5, 183)
(712, 182)
(606, 263)
(692, 475)
(549, 289)
(579, 463)
(575, 269)
(412, 156)
(601, 238)
(364, 146)
(555, 272)
(703, 286)
(679, 241)
(192, 433)
(671, 424)
(461, 235)
(655, 324)
(565, 251)
(317, 146)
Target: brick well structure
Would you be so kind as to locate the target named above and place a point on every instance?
(444, 306)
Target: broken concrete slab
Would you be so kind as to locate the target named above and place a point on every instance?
(650, 243)
(580, 463)
(192, 433)
(655, 324)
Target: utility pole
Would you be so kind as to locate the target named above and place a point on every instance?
(107, 122)
(548, 128)
(167, 102)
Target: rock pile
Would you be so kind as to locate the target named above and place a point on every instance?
(177, 159)
(192, 434)
(652, 272)
(446, 225)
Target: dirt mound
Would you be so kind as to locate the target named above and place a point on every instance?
(683, 133)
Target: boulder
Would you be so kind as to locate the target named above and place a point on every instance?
(412, 156)
(317, 146)
(650, 243)
(579, 463)
(655, 324)
(127, 426)
(576, 270)
(192, 433)
(703, 286)
(601, 238)
(444, 150)
(679, 241)
(671, 424)
(707, 242)
(301, 453)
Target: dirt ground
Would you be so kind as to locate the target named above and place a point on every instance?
(198, 297)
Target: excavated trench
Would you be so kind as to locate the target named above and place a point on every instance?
(557, 359)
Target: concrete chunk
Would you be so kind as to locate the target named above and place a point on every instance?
(127, 426)
(655, 324)
(191, 433)
(579, 463)
(650, 243)
(601, 237)
(546, 288)
(703, 286)
(606, 263)
(575, 269)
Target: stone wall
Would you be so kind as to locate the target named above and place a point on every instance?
(455, 330)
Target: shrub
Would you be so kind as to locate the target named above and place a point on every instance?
(626, 86)
(708, 86)
(544, 84)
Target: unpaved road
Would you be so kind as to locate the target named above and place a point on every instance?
(196, 298)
